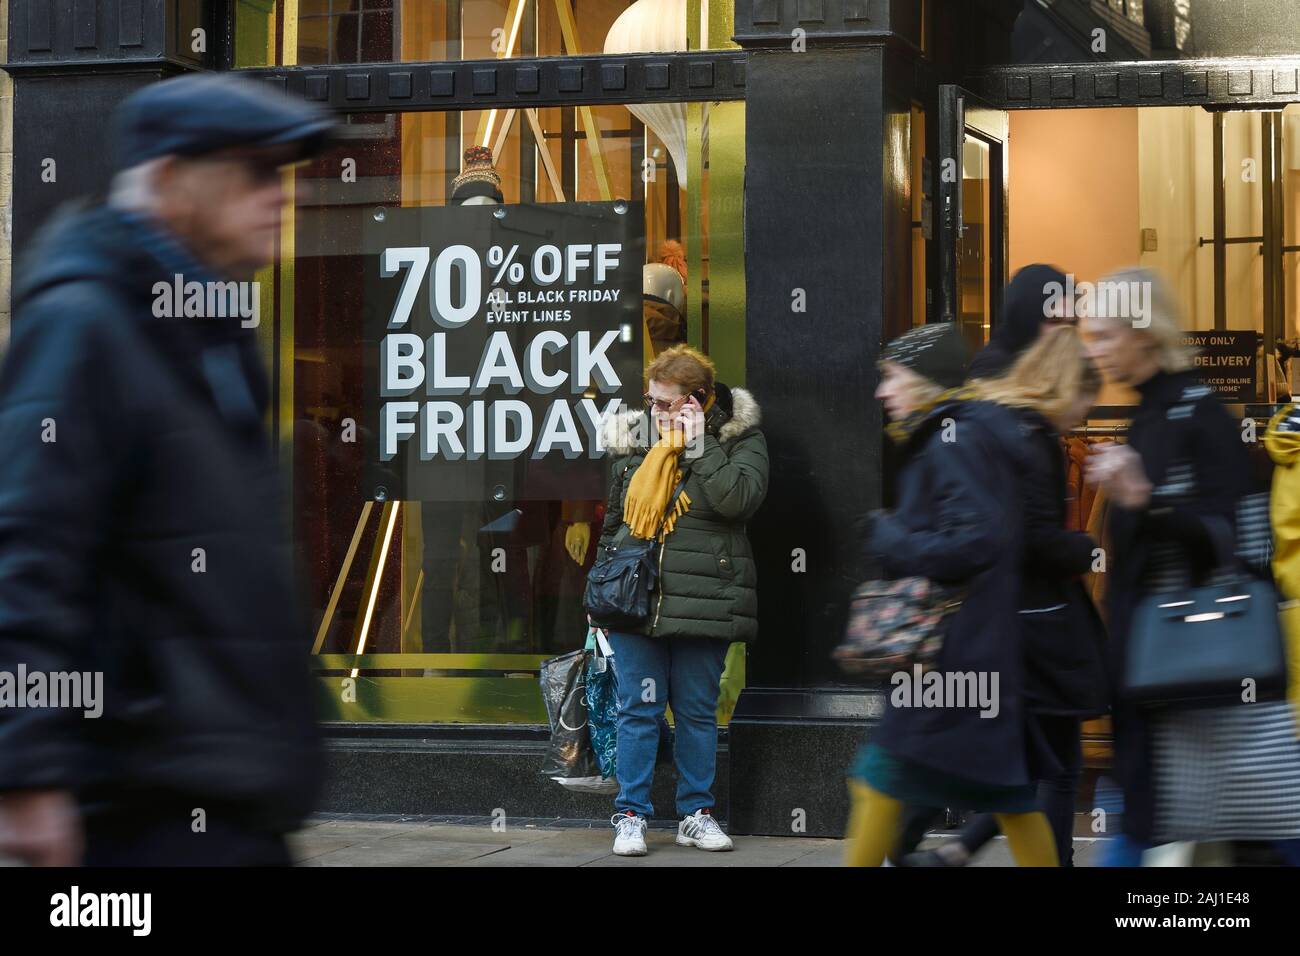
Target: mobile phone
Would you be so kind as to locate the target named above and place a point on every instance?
(700, 395)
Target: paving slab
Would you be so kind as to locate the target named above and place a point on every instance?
(404, 853)
(563, 852)
(749, 851)
(830, 853)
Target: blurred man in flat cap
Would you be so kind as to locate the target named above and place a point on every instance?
(141, 531)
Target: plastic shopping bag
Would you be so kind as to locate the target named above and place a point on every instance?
(602, 706)
(570, 759)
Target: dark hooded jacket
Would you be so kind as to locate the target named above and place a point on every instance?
(708, 585)
(1021, 320)
(141, 536)
(958, 522)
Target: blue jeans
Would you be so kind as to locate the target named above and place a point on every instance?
(653, 672)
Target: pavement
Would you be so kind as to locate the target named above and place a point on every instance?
(353, 840)
(345, 840)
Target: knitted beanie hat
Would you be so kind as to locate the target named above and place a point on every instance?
(478, 178)
(936, 351)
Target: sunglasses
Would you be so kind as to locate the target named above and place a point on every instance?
(662, 406)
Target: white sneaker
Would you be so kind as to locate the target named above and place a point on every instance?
(629, 834)
(700, 830)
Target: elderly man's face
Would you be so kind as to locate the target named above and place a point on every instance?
(227, 206)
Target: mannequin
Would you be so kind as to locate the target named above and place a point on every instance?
(663, 286)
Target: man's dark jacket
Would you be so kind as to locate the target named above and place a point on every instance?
(141, 535)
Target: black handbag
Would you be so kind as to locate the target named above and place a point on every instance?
(1200, 646)
(623, 579)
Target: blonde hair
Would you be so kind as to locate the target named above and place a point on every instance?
(1049, 377)
(1165, 325)
(682, 365)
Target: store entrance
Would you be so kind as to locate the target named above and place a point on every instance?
(1210, 200)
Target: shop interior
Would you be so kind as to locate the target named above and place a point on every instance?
(1209, 200)
(1096, 190)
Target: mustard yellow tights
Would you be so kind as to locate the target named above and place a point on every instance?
(873, 828)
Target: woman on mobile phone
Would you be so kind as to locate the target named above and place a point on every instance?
(699, 441)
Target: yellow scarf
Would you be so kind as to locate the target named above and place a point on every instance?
(652, 485)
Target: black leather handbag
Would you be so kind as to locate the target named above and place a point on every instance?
(1207, 645)
(621, 583)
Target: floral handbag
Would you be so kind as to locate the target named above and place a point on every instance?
(894, 625)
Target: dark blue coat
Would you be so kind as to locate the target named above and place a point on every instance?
(159, 450)
(958, 521)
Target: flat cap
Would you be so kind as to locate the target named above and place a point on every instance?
(205, 112)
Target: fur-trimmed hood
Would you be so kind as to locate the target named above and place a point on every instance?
(632, 430)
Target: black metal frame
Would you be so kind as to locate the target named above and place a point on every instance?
(537, 81)
(959, 111)
(1214, 83)
(74, 36)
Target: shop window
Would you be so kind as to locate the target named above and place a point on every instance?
(436, 592)
(381, 31)
(1084, 31)
(345, 31)
(1128, 8)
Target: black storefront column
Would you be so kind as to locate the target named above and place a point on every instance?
(818, 207)
(72, 62)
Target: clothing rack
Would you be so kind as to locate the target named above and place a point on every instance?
(1099, 431)
(1112, 420)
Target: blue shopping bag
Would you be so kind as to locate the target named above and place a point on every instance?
(602, 703)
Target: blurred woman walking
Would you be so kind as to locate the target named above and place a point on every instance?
(1050, 388)
(957, 523)
(1211, 773)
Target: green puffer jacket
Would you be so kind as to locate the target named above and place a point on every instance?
(708, 583)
